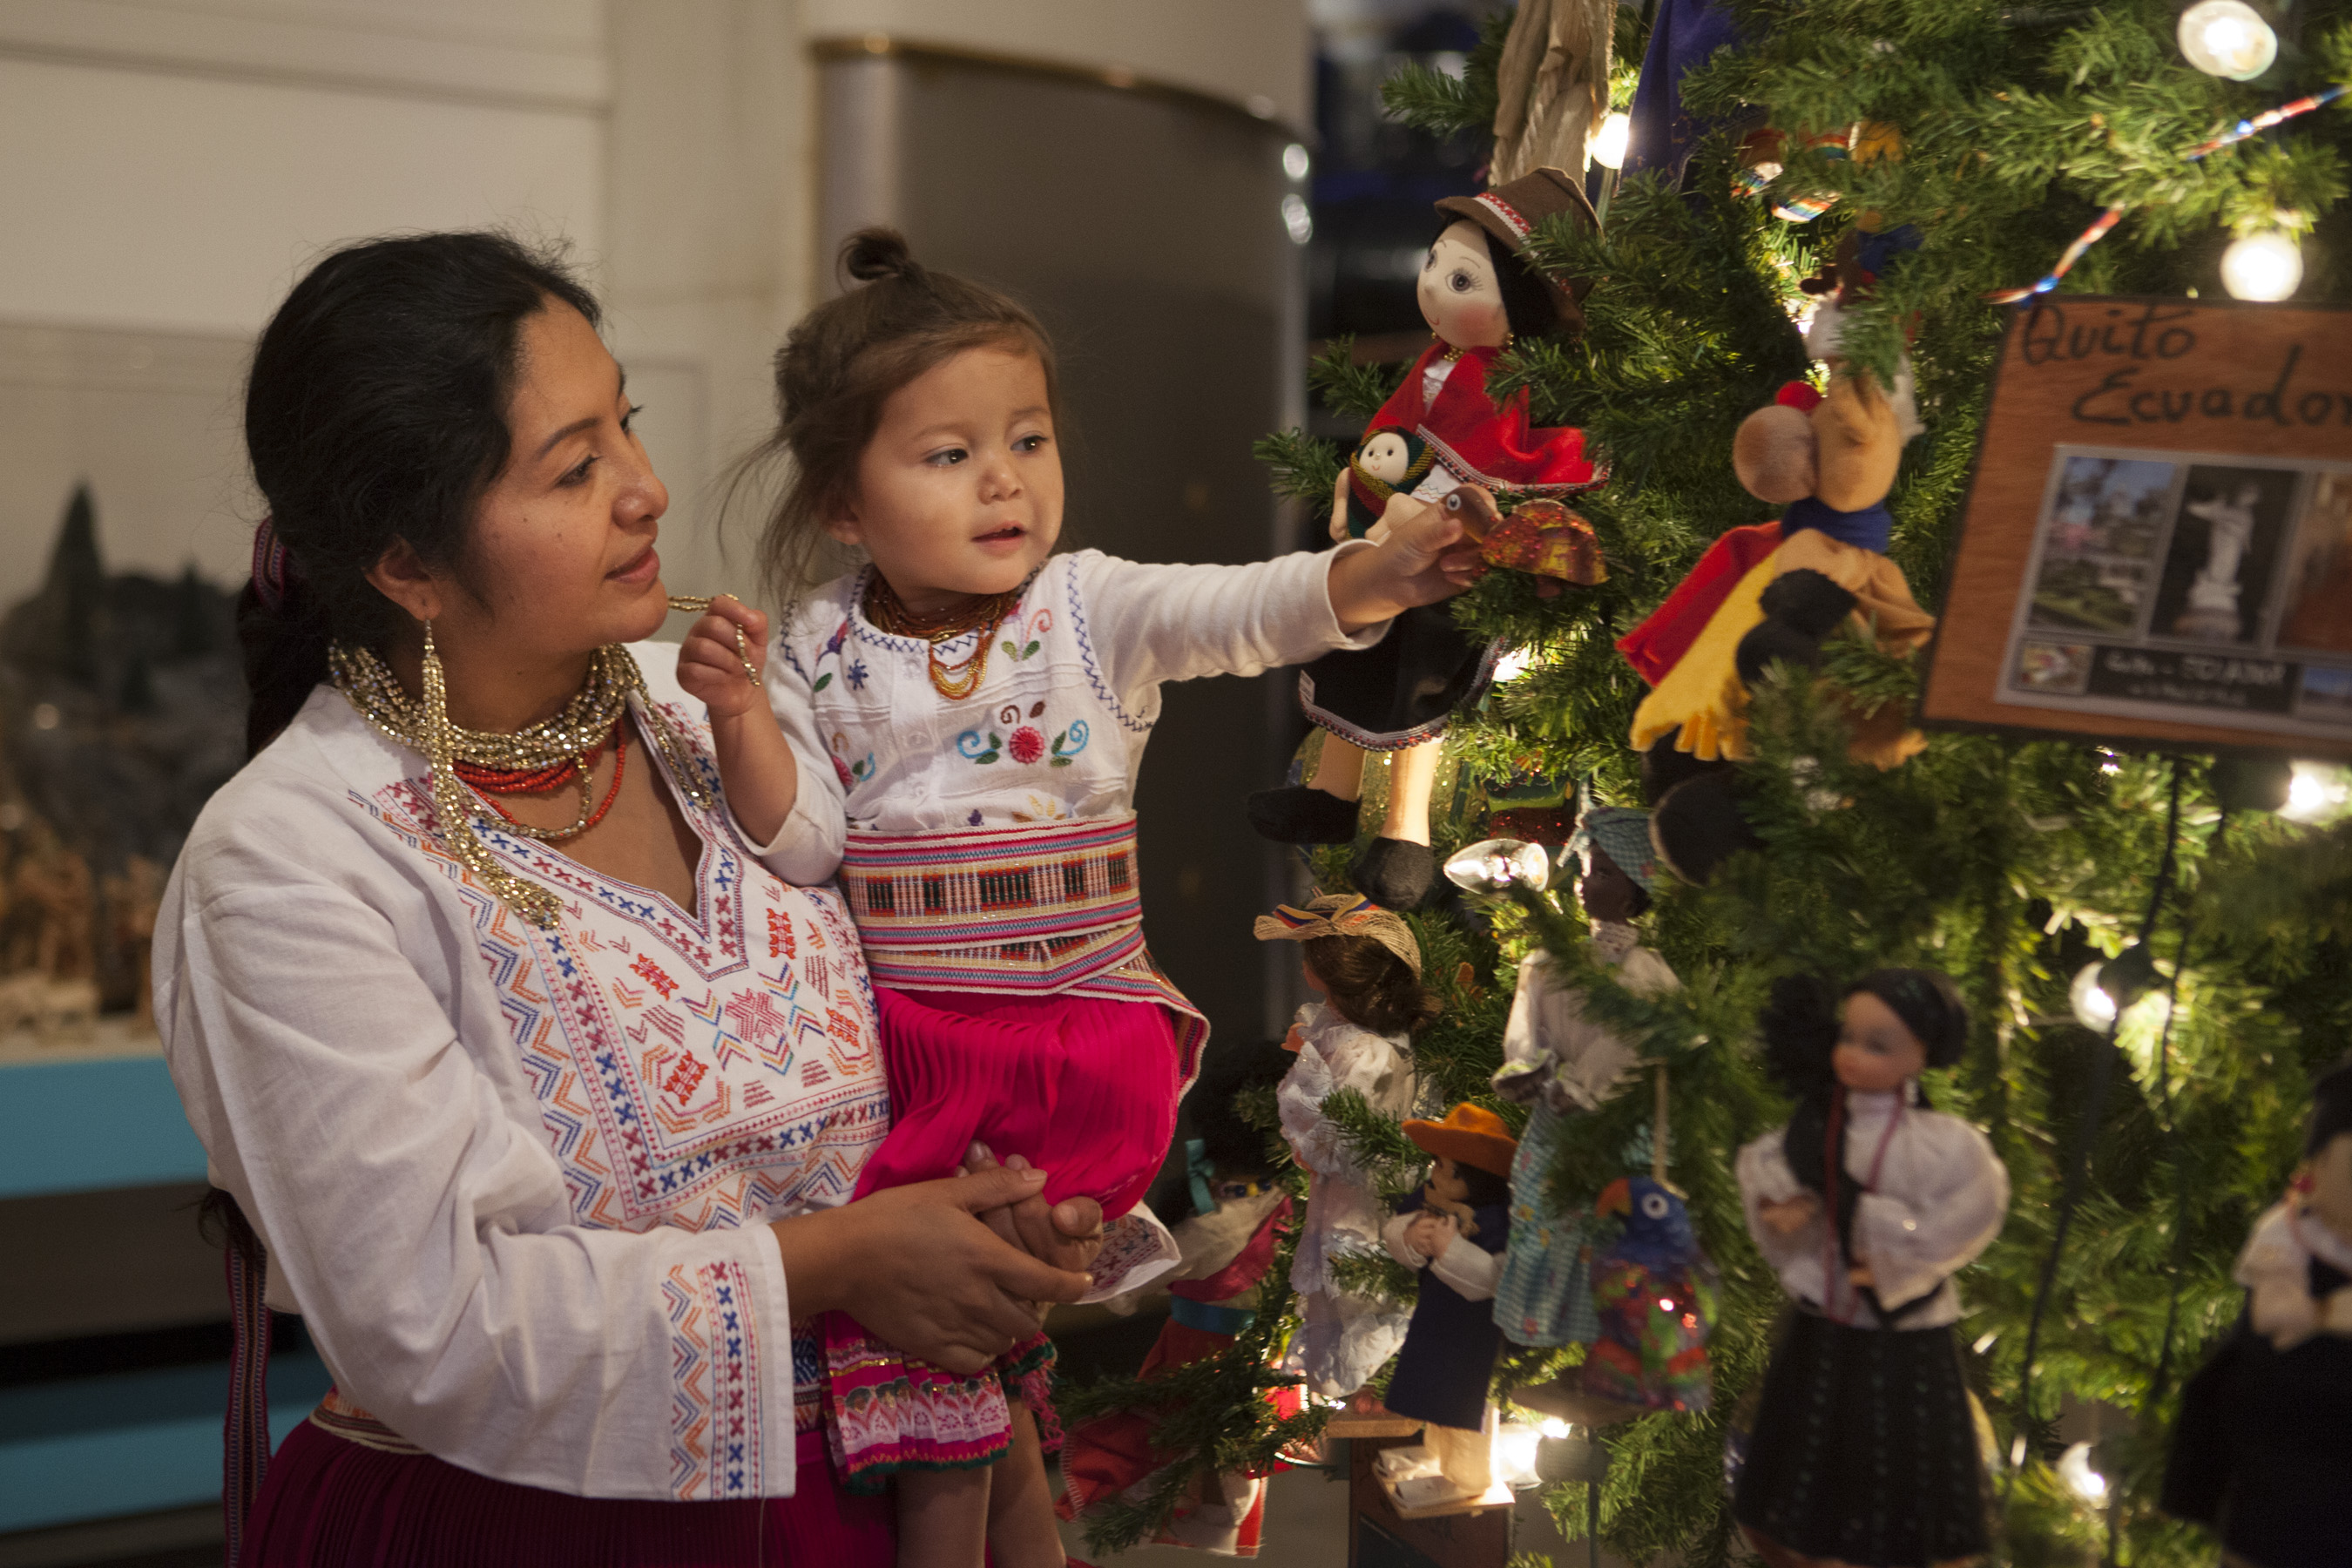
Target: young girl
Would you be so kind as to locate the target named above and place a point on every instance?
(1865, 1205)
(1366, 965)
(966, 714)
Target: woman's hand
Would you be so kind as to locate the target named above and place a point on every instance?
(719, 662)
(1422, 559)
(1789, 1216)
(922, 1272)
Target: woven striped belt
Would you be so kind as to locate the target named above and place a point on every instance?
(1037, 909)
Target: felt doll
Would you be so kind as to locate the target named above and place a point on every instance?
(1366, 965)
(1478, 294)
(1452, 1233)
(1654, 1290)
(1231, 1219)
(1774, 592)
(1863, 1447)
(2263, 1454)
(1561, 1064)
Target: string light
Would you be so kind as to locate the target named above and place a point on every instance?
(2227, 38)
(2104, 992)
(1609, 141)
(2094, 1008)
(2074, 1469)
(2265, 265)
(2317, 792)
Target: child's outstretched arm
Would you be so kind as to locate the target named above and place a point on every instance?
(719, 665)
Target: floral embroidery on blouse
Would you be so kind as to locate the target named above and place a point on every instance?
(1026, 638)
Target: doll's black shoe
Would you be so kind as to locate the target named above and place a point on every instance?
(1301, 814)
(1395, 873)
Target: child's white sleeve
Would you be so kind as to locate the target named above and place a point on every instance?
(1147, 624)
(807, 849)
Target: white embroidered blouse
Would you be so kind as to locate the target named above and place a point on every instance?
(1056, 728)
(1343, 1213)
(1937, 1202)
(1551, 1050)
(514, 1179)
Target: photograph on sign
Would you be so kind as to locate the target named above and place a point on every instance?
(2188, 585)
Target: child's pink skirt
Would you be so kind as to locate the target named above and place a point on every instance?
(1085, 1089)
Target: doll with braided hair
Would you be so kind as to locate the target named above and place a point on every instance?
(1865, 1205)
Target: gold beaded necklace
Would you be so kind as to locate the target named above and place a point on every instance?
(574, 734)
(953, 681)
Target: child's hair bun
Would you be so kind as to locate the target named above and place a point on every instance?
(873, 254)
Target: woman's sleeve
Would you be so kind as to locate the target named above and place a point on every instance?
(1765, 1178)
(1914, 1242)
(413, 1206)
(806, 850)
(1141, 625)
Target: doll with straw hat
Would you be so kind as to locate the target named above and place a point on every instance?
(1452, 1233)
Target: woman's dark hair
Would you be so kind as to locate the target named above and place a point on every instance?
(376, 411)
(840, 365)
(1531, 306)
(1370, 986)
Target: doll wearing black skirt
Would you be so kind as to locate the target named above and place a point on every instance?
(1863, 1449)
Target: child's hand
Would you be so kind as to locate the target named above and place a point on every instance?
(720, 661)
(1424, 559)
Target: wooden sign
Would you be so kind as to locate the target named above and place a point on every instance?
(2157, 548)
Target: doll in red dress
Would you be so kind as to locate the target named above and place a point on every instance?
(1438, 431)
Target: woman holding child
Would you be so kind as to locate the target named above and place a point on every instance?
(487, 985)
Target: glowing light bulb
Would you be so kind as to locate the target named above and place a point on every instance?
(1297, 220)
(2264, 266)
(1295, 162)
(2094, 1008)
(1495, 864)
(1553, 1426)
(1515, 663)
(2317, 792)
(1512, 1453)
(1609, 141)
(2227, 38)
(2074, 1469)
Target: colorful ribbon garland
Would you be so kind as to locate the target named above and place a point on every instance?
(2108, 220)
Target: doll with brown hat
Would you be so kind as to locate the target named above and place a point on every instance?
(1452, 1233)
(1773, 592)
(1366, 965)
(1480, 294)
(2264, 1447)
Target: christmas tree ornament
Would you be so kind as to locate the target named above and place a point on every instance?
(1772, 593)
(2227, 38)
(1863, 1447)
(1361, 957)
(1479, 293)
(2266, 264)
(1452, 1233)
(1540, 537)
(1551, 86)
(2265, 1439)
(1654, 1290)
(1494, 864)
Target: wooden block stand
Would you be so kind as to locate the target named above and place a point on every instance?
(1468, 1535)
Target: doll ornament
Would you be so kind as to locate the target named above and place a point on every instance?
(1771, 593)
(1561, 1064)
(1452, 1233)
(2263, 1454)
(1863, 1449)
(1364, 962)
(1438, 431)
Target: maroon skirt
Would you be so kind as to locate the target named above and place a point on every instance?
(327, 1503)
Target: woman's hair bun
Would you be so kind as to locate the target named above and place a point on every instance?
(872, 253)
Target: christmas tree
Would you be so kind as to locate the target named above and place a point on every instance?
(2140, 1152)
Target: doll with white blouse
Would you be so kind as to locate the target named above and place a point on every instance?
(1865, 1205)
(1365, 963)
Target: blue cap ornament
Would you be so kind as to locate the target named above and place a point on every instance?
(1623, 834)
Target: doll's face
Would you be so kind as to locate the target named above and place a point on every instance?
(1606, 892)
(1386, 457)
(1876, 1051)
(1460, 298)
(1445, 1182)
(2331, 1191)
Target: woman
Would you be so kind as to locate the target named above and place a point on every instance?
(540, 1090)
